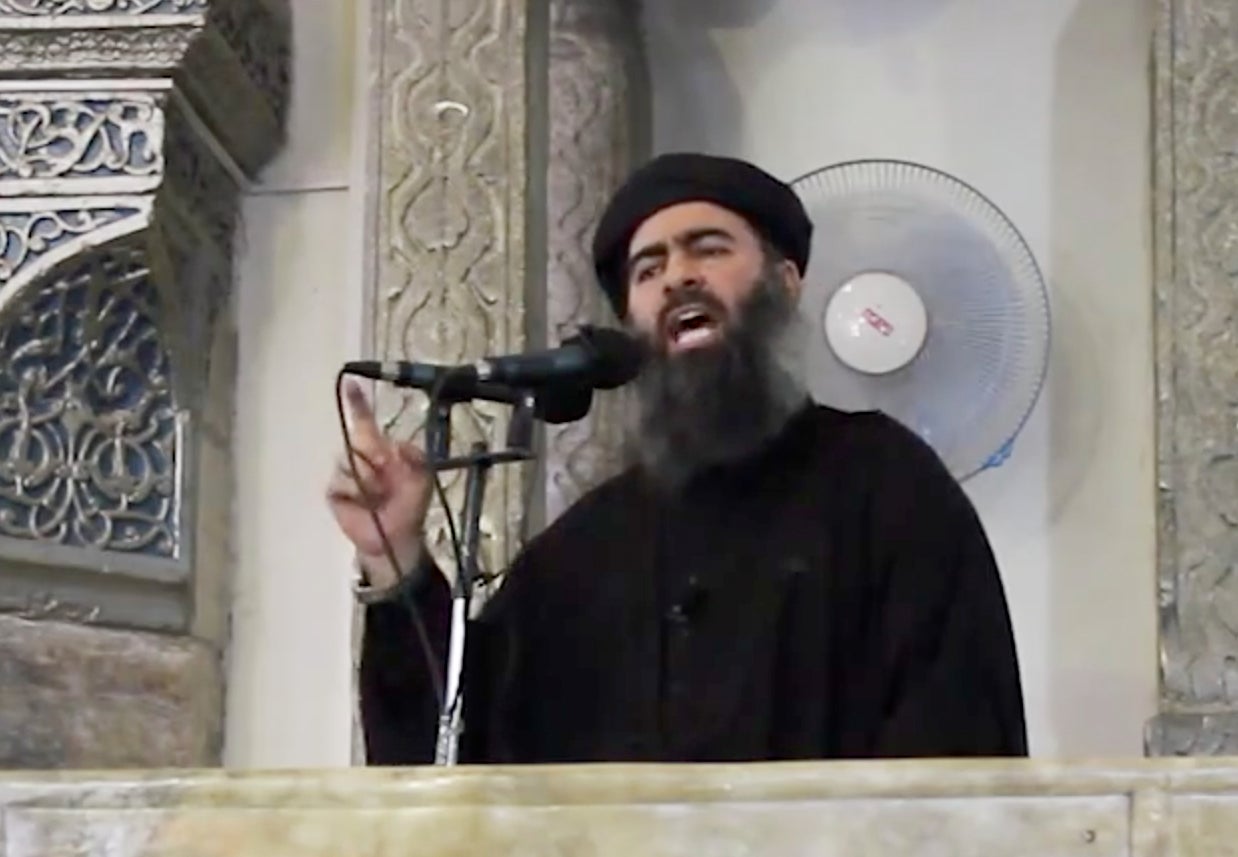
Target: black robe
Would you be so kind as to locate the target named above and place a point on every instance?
(835, 597)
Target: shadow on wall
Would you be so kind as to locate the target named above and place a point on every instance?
(817, 19)
(697, 104)
(869, 19)
(1099, 448)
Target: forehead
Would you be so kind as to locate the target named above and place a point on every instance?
(668, 224)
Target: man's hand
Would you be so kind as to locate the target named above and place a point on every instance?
(392, 483)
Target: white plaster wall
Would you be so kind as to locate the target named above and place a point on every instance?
(299, 305)
(1045, 107)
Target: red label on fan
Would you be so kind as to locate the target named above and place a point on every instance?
(878, 323)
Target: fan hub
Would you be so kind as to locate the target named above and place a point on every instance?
(876, 323)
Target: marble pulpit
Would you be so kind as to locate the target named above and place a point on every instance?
(1153, 808)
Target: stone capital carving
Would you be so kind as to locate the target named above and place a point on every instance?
(230, 58)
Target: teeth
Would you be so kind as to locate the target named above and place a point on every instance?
(696, 334)
(687, 316)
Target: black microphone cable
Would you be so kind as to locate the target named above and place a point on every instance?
(407, 600)
(456, 548)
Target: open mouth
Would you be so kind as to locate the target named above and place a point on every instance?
(691, 326)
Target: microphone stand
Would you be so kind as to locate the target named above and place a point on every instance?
(477, 463)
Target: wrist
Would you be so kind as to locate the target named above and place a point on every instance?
(376, 568)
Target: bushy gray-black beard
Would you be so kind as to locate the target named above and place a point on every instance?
(713, 406)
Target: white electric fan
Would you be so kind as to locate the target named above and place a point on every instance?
(926, 304)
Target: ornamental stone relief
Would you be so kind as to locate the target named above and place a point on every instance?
(1196, 233)
(127, 128)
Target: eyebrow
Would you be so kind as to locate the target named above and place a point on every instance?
(687, 237)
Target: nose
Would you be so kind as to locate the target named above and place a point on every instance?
(681, 270)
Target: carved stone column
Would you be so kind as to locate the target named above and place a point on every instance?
(127, 128)
(448, 192)
(502, 127)
(599, 116)
(1197, 376)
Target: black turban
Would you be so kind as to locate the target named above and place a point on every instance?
(771, 207)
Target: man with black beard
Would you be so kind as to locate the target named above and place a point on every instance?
(769, 579)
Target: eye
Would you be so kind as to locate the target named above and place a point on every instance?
(642, 272)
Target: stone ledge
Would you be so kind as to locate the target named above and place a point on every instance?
(877, 808)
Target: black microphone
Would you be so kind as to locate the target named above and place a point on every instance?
(564, 403)
(602, 358)
(563, 379)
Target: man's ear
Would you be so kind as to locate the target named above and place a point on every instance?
(791, 277)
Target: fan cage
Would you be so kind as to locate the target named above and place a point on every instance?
(977, 378)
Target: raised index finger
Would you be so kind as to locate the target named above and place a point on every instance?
(364, 424)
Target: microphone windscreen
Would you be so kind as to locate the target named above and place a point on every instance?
(617, 355)
(563, 404)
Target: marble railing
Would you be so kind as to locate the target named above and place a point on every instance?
(1142, 808)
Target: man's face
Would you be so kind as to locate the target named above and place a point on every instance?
(690, 269)
(719, 315)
